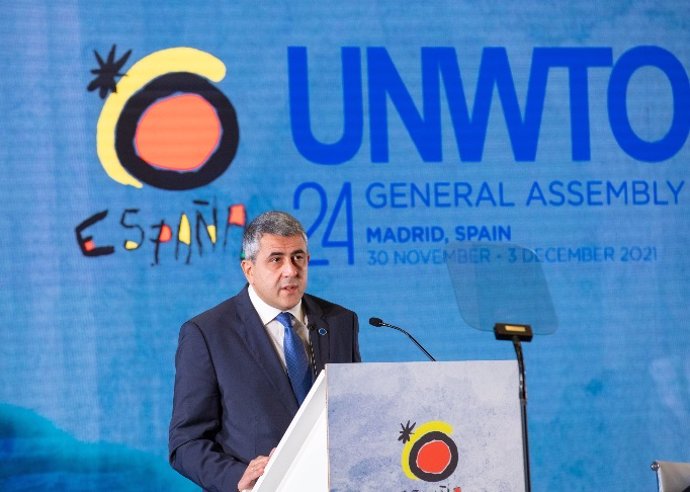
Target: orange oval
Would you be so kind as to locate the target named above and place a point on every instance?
(165, 234)
(433, 457)
(178, 133)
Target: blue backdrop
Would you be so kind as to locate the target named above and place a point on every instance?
(391, 130)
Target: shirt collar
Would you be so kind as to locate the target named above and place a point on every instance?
(267, 313)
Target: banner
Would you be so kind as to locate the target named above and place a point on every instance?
(138, 141)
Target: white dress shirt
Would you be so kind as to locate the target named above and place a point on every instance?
(275, 330)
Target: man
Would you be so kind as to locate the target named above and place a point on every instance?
(244, 366)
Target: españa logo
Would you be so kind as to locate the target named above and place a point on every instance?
(164, 123)
(429, 453)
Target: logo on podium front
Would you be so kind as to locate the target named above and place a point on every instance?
(429, 452)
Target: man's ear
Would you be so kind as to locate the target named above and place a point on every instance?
(247, 270)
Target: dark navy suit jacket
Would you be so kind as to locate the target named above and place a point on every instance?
(233, 399)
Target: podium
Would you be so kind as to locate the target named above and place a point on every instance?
(413, 426)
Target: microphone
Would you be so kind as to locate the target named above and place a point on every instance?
(379, 322)
(310, 349)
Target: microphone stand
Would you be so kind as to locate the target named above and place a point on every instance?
(523, 412)
(516, 333)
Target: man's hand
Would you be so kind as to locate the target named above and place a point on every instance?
(254, 470)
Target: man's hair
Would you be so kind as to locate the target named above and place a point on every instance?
(273, 222)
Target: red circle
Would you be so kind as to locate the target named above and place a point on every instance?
(434, 457)
(178, 133)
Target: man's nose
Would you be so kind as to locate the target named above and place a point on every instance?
(289, 269)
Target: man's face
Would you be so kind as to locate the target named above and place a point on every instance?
(279, 271)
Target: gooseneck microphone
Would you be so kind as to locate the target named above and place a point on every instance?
(379, 322)
(310, 349)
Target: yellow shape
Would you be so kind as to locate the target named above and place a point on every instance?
(417, 434)
(130, 245)
(184, 231)
(142, 72)
(211, 232)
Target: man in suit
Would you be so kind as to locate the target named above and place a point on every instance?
(244, 366)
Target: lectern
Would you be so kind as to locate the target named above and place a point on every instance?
(421, 426)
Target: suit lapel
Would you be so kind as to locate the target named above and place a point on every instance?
(262, 350)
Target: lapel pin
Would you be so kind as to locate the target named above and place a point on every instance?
(322, 331)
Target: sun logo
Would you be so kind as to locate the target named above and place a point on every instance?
(164, 123)
(429, 453)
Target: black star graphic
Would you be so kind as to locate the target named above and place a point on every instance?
(406, 432)
(106, 72)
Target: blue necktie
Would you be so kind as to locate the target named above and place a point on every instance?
(295, 359)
